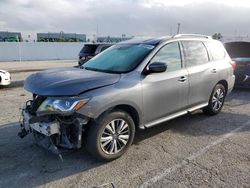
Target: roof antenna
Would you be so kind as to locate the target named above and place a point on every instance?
(178, 28)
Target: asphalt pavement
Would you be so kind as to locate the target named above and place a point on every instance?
(194, 150)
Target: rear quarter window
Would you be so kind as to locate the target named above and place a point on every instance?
(216, 50)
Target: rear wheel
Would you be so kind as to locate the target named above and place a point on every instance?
(216, 100)
(110, 135)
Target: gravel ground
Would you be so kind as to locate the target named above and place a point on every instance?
(21, 70)
(191, 151)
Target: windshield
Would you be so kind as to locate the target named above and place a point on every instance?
(120, 58)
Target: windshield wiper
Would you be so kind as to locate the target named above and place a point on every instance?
(93, 69)
(100, 70)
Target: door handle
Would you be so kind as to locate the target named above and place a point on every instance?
(213, 71)
(182, 79)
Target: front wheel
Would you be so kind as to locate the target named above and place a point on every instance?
(216, 100)
(110, 135)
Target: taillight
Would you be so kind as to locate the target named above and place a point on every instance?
(233, 64)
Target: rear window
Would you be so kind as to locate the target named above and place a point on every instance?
(216, 49)
(104, 48)
(195, 53)
(88, 49)
(242, 59)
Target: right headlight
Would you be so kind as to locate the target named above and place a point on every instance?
(61, 105)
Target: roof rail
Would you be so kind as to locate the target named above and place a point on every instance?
(192, 35)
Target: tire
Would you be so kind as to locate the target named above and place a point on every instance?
(216, 100)
(103, 142)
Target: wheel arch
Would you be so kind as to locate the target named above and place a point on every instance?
(132, 111)
(224, 83)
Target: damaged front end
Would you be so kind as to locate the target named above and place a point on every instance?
(54, 122)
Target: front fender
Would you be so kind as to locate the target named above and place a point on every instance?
(106, 98)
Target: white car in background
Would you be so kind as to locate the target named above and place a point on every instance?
(4, 78)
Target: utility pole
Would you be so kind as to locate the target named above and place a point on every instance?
(178, 28)
(19, 49)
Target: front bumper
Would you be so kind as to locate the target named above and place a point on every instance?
(29, 123)
(50, 133)
(43, 132)
(242, 80)
(5, 81)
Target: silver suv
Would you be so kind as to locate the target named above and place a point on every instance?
(133, 85)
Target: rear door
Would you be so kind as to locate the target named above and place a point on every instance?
(202, 73)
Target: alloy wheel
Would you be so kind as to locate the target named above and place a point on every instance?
(217, 100)
(115, 136)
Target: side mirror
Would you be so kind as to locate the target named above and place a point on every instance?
(156, 67)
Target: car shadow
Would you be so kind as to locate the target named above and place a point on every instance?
(23, 162)
(199, 124)
(12, 85)
(238, 97)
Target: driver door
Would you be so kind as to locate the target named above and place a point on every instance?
(165, 93)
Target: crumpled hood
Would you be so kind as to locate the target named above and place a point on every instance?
(67, 81)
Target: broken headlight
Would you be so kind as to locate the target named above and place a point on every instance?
(58, 105)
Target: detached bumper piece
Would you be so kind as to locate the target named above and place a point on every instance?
(51, 132)
(46, 129)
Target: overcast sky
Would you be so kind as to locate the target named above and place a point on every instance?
(130, 17)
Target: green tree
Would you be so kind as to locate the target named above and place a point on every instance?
(217, 36)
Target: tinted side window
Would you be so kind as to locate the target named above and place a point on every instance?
(195, 53)
(169, 54)
(216, 49)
